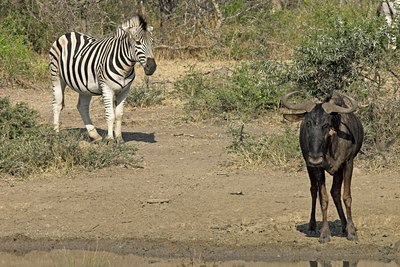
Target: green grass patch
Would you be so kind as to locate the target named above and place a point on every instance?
(244, 92)
(280, 151)
(144, 95)
(27, 147)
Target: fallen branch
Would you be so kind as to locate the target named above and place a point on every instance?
(157, 201)
(189, 47)
(218, 13)
(22, 82)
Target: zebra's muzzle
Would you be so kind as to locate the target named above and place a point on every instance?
(150, 66)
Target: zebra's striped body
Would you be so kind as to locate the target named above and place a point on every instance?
(389, 8)
(100, 67)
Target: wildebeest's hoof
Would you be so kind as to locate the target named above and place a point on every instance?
(351, 233)
(312, 233)
(352, 237)
(325, 237)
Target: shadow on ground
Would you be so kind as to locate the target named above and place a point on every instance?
(127, 136)
(335, 227)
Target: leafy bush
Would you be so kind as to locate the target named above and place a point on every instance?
(381, 121)
(143, 96)
(27, 147)
(279, 150)
(19, 20)
(245, 91)
(15, 55)
(340, 55)
(15, 121)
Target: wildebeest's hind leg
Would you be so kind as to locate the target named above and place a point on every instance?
(314, 191)
(336, 195)
(347, 175)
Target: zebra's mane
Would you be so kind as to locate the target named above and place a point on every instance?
(136, 21)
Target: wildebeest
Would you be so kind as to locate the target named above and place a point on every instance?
(331, 135)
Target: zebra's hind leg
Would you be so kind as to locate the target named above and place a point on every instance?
(83, 108)
(58, 100)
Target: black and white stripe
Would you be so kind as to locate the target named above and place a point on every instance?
(390, 8)
(100, 67)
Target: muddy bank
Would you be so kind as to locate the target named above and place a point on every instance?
(283, 252)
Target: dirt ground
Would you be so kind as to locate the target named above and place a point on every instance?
(187, 201)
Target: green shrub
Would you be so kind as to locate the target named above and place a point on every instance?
(27, 147)
(381, 121)
(245, 91)
(15, 55)
(340, 55)
(272, 150)
(15, 121)
(143, 96)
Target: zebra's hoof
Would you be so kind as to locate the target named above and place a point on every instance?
(97, 140)
(120, 141)
(109, 140)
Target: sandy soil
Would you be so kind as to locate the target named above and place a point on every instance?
(187, 200)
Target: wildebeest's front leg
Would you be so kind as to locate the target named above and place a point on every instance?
(317, 179)
(347, 173)
(324, 200)
(314, 192)
(336, 195)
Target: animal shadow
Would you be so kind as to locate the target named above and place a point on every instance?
(335, 227)
(127, 136)
(329, 264)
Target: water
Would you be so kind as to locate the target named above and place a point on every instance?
(69, 258)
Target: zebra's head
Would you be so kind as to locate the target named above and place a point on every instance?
(141, 39)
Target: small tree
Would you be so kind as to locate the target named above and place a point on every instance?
(340, 56)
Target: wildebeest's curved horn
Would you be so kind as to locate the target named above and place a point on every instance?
(330, 107)
(306, 106)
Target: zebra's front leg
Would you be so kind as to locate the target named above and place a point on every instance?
(108, 98)
(119, 111)
(83, 108)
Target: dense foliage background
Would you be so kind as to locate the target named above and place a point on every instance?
(282, 45)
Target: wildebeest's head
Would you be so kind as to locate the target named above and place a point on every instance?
(320, 123)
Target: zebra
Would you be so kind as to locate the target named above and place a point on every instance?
(100, 67)
(389, 10)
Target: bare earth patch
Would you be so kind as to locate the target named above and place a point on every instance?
(187, 200)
